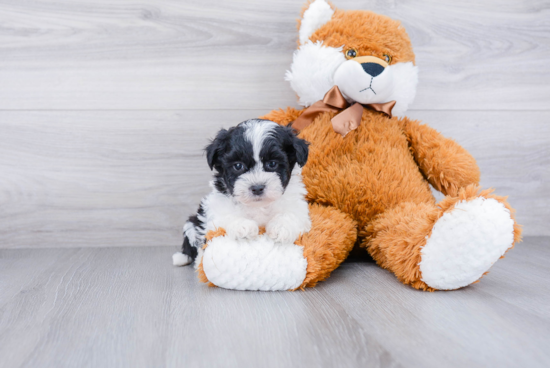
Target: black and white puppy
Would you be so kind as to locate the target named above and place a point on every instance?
(257, 183)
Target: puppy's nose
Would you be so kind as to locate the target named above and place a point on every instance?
(372, 69)
(257, 189)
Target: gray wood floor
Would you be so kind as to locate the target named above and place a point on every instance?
(125, 307)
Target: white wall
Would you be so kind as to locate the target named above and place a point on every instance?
(105, 106)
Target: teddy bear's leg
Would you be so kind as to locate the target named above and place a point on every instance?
(325, 246)
(447, 246)
(328, 243)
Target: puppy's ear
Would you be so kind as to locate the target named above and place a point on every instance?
(302, 150)
(216, 148)
(298, 145)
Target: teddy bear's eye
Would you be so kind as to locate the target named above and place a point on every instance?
(387, 58)
(351, 53)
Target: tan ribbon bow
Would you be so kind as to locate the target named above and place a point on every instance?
(344, 122)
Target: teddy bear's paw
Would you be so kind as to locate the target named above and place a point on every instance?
(261, 264)
(465, 242)
(242, 229)
(282, 230)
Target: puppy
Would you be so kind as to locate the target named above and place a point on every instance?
(257, 183)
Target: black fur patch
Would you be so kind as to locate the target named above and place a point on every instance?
(229, 147)
(283, 147)
(188, 249)
(189, 246)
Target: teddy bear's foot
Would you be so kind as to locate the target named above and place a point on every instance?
(447, 246)
(465, 242)
(262, 264)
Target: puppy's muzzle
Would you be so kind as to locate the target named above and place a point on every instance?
(372, 65)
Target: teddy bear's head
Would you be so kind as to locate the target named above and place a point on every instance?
(367, 55)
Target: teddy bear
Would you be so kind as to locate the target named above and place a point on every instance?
(370, 168)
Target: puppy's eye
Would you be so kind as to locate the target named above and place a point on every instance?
(387, 58)
(238, 166)
(351, 53)
(272, 165)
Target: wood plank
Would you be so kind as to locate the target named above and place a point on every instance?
(121, 307)
(528, 290)
(167, 54)
(127, 178)
(478, 326)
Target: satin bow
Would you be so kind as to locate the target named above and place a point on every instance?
(348, 117)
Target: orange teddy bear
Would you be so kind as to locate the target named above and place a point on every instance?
(369, 167)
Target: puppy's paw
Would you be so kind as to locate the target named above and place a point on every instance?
(282, 230)
(242, 229)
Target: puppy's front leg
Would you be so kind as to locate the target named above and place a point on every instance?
(242, 228)
(222, 212)
(285, 228)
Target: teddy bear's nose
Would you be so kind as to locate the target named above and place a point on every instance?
(372, 69)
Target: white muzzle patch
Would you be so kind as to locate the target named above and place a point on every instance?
(273, 190)
(359, 86)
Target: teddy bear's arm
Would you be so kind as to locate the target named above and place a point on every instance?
(447, 165)
(283, 117)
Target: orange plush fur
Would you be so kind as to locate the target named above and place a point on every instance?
(200, 269)
(373, 184)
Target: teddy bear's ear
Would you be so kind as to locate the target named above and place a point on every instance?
(315, 14)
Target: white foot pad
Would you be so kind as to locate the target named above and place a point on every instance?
(259, 264)
(465, 243)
